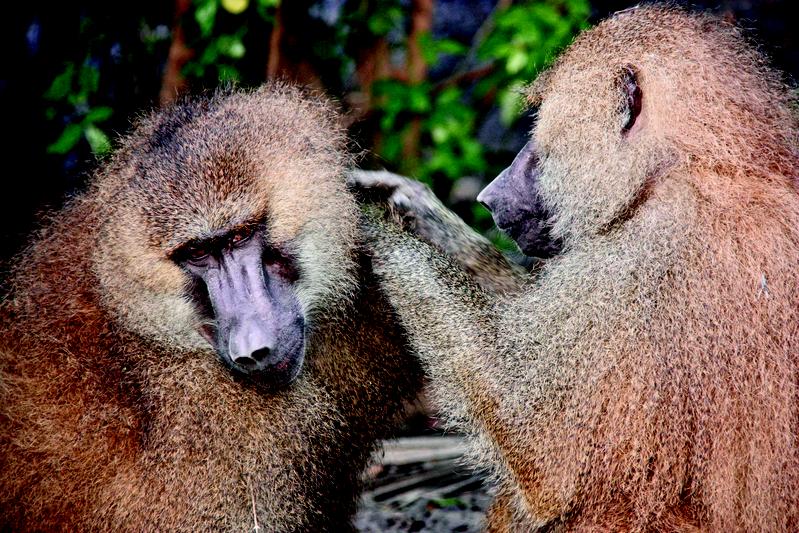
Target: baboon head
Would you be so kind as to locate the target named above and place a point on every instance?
(228, 223)
(637, 98)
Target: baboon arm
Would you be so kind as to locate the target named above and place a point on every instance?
(414, 206)
(479, 258)
(454, 327)
(444, 311)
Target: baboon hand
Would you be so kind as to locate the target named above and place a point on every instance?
(411, 204)
(405, 196)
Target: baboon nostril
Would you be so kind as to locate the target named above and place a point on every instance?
(245, 361)
(260, 354)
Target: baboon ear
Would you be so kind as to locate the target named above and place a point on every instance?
(632, 96)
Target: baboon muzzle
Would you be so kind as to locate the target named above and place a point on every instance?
(260, 328)
(516, 205)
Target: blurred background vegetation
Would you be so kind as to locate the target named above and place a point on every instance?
(430, 88)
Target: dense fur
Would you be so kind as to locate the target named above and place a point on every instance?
(648, 377)
(115, 414)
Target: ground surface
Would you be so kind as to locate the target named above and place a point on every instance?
(421, 484)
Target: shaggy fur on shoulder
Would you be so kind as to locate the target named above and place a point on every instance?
(116, 415)
(648, 378)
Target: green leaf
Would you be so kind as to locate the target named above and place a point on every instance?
(99, 114)
(502, 241)
(510, 103)
(62, 83)
(68, 139)
(448, 46)
(89, 78)
(392, 147)
(439, 133)
(428, 47)
(384, 20)
(205, 15)
(235, 6)
(266, 9)
(516, 62)
(98, 140)
(231, 46)
(447, 502)
(210, 54)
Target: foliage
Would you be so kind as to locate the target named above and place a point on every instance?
(428, 129)
(524, 37)
(218, 37)
(72, 90)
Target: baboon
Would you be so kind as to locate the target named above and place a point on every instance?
(645, 378)
(197, 343)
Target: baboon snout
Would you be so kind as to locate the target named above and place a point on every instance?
(260, 327)
(250, 344)
(517, 207)
(487, 196)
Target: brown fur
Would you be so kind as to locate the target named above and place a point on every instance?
(116, 415)
(648, 377)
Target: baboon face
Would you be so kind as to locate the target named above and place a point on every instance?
(229, 227)
(555, 186)
(247, 288)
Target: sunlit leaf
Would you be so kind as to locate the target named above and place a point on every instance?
(67, 141)
(439, 134)
(231, 46)
(99, 114)
(205, 15)
(511, 103)
(98, 140)
(419, 98)
(235, 6)
(516, 62)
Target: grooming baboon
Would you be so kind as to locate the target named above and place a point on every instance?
(197, 343)
(647, 377)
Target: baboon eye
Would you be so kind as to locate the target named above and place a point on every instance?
(197, 253)
(241, 235)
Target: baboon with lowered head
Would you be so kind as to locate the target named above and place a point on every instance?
(647, 376)
(197, 342)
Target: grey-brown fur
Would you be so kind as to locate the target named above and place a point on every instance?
(412, 205)
(115, 414)
(647, 379)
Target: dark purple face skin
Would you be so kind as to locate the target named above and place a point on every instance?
(516, 206)
(514, 197)
(248, 288)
